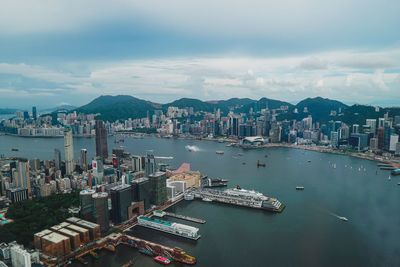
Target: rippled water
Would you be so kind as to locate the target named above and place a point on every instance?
(305, 234)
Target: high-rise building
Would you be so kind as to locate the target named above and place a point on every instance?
(121, 200)
(21, 178)
(373, 144)
(356, 128)
(20, 257)
(101, 140)
(98, 170)
(335, 139)
(150, 163)
(158, 184)
(87, 205)
(386, 137)
(34, 113)
(17, 194)
(141, 191)
(57, 159)
(83, 161)
(394, 139)
(69, 152)
(136, 163)
(372, 125)
(100, 210)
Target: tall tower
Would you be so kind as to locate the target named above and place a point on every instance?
(22, 180)
(84, 163)
(69, 152)
(101, 140)
(57, 158)
(34, 113)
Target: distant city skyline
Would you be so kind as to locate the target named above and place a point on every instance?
(69, 52)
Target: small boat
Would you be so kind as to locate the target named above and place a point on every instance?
(188, 196)
(206, 199)
(14, 149)
(299, 187)
(146, 252)
(343, 218)
(259, 164)
(243, 163)
(308, 160)
(219, 152)
(162, 260)
(398, 183)
(389, 178)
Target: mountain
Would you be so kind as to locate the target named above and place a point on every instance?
(7, 111)
(120, 107)
(197, 104)
(319, 108)
(263, 103)
(357, 114)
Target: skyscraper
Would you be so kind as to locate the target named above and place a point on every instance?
(87, 205)
(150, 163)
(57, 159)
(100, 211)
(22, 179)
(83, 161)
(69, 152)
(101, 140)
(121, 199)
(158, 184)
(34, 113)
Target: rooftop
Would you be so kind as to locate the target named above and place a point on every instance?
(55, 238)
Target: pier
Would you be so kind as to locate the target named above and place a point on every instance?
(161, 214)
(175, 254)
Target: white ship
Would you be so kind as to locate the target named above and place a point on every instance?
(169, 227)
(241, 197)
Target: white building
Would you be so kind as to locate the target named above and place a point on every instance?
(20, 257)
(394, 139)
(69, 152)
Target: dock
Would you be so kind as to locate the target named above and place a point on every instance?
(178, 216)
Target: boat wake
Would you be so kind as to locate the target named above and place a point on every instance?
(192, 148)
(339, 217)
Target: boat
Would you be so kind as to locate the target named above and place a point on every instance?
(389, 178)
(395, 172)
(308, 160)
(259, 164)
(343, 218)
(14, 149)
(243, 163)
(162, 260)
(241, 197)
(146, 252)
(174, 228)
(398, 183)
(217, 182)
(299, 187)
(188, 196)
(219, 152)
(206, 199)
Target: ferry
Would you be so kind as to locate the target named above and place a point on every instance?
(343, 218)
(14, 149)
(169, 227)
(162, 260)
(219, 152)
(241, 197)
(299, 187)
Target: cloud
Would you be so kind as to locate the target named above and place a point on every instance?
(209, 78)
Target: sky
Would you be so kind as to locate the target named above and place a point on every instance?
(55, 52)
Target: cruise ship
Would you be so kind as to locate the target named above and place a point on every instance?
(241, 197)
(169, 227)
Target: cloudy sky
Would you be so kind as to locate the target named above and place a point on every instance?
(71, 51)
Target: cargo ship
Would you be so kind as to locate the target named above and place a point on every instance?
(169, 227)
(241, 197)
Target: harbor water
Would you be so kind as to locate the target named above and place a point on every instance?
(307, 233)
